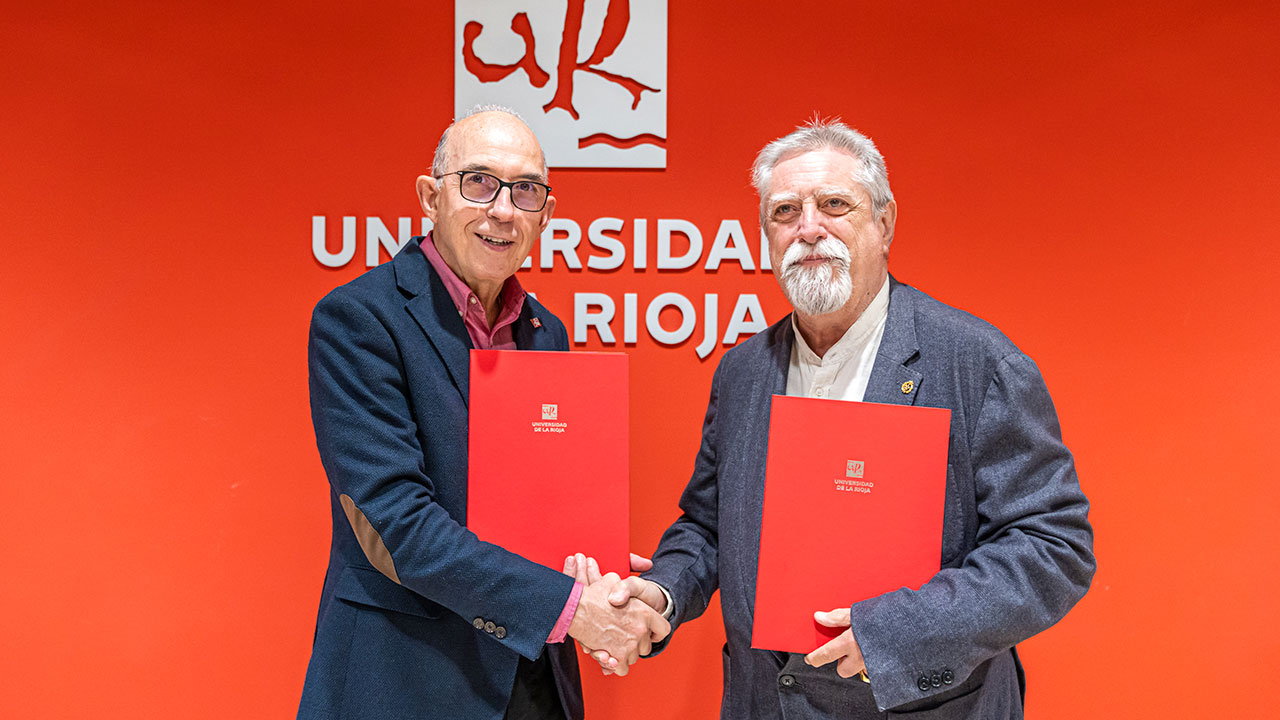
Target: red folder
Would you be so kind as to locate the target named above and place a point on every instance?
(853, 505)
(547, 455)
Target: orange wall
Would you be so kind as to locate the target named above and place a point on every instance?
(1100, 183)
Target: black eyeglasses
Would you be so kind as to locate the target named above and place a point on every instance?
(479, 187)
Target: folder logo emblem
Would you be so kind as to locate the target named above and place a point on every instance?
(853, 469)
(549, 412)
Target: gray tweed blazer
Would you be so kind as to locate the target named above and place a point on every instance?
(1016, 548)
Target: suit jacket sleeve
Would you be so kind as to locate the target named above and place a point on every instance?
(368, 440)
(687, 556)
(1031, 562)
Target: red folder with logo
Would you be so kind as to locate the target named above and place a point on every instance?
(853, 504)
(547, 456)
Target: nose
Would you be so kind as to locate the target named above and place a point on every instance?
(810, 228)
(501, 207)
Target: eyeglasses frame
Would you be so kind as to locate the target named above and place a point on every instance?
(502, 184)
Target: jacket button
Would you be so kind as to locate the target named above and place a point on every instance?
(478, 623)
(787, 681)
(489, 627)
(923, 684)
(948, 677)
(936, 680)
(499, 632)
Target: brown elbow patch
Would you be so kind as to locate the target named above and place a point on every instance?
(369, 539)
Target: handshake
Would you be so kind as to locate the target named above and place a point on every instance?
(617, 620)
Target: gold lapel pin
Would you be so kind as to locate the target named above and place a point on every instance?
(908, 386)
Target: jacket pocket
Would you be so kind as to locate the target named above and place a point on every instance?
(957, 707)
(366, 586)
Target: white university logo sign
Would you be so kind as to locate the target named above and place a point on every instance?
(589, 76)
(853, 469)
(549, 412)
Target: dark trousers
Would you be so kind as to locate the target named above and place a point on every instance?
(534, 695)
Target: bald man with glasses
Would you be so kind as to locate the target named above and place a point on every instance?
(419, 618)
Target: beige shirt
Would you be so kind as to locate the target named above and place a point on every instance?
(842, 373)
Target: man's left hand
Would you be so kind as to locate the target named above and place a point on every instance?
(843, 649)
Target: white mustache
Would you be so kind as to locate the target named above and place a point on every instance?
(828, 248)
(822, 288)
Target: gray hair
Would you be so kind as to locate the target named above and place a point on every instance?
(440, 159)
(820, 134)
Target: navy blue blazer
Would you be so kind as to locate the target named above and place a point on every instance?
(1016, 546)
(418, 617)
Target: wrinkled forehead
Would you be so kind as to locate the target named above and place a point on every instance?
(815, 172)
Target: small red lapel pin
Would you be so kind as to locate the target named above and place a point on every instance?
(536, 322)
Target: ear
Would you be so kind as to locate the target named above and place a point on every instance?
(886, 220)
(428, 195)
(547, 210)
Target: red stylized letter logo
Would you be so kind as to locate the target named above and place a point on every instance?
(627, 60)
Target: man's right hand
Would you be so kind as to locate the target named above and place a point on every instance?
(619, 632)
(621, 596)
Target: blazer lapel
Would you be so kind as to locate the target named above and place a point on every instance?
(528, 335)
(769, 378)
(892, 381)
(435, 313)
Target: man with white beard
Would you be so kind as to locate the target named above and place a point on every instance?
(1016, 550)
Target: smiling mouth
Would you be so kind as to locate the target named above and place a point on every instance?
(495, 242)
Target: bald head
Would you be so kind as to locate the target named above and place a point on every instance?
(488, 124)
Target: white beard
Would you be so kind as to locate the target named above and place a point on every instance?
(820, 289)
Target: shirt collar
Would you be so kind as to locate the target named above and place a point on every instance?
(855, 338)
(511, 298)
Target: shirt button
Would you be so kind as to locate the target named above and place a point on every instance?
(472, 299)
(820, 392)
(787, 681)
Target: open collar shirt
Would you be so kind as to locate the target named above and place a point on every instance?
(511, 301)
(843, 371)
